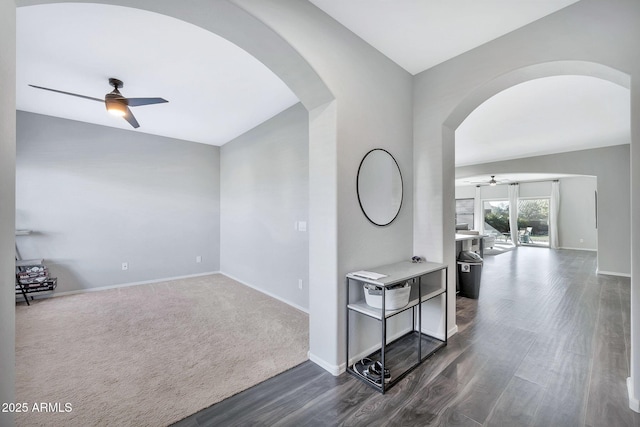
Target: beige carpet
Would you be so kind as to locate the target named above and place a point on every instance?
(150, 355)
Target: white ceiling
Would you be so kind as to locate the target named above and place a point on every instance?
(418, 34)
(216, 91)
(545, 116)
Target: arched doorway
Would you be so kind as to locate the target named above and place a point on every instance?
(233, 23)
(571, 164)
(554, 68)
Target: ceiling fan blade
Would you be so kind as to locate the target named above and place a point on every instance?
(131, 119)
(135, 102)
(68, 93)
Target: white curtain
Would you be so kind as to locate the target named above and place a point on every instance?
(477, 211)
(554, 210)
(513, 212)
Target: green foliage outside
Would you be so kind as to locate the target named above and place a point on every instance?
(531, 213)
(499, 221)
(533, 210)
(534, 214)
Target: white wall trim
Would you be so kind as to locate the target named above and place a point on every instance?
(612, 273)
(634, 403)
(54, 294)
(376, 347)
(279, 298)
(334, 370)
(337, 370)
(579, 249)
(438, 334)
(452, 331)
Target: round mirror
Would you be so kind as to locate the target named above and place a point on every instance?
(379, 187)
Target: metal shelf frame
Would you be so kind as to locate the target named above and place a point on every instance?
(395, 274)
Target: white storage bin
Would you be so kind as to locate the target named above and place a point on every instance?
(394, 298)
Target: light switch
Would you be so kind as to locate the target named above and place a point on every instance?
(302, 225)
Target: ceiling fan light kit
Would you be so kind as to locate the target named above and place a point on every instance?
(115, 103)
(116, 108)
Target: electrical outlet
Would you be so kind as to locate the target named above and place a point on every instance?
(299, 283)
(125, 266)
(198, 258)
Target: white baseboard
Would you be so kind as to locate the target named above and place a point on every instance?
(452, 331)
(334, 370)
(578, 249)
(164, 279)
(612, 273)
(395, 336)
(435, 334)
(376, 347)
(439, 335)
(634, 404)
(54, 294)
(279, 298)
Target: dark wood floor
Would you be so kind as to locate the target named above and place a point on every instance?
(546, 344)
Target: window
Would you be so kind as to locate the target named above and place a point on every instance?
(464, 211)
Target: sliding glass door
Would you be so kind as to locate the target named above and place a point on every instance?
(533, 222)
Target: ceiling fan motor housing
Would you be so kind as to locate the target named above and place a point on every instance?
(116, 83)
(115, 97)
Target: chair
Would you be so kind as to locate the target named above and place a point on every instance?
(489, 241)
(524, 235)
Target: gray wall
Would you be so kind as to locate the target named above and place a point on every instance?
(576, 220)
(264, 179)
(611, 167)
(7, 203)
(570, 41)
(358, 100)
(372, 109)
(96, 197)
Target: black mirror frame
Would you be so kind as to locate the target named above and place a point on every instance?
(401, 187)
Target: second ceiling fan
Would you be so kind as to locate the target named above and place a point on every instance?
(492, 182)
(115, 102)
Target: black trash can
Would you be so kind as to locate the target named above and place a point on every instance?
(469, 274)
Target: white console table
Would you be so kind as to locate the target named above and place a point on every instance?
(399, 355)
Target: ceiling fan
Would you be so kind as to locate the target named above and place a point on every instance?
(114, 101)
(492, 182)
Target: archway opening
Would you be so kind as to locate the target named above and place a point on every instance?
(235, 24)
